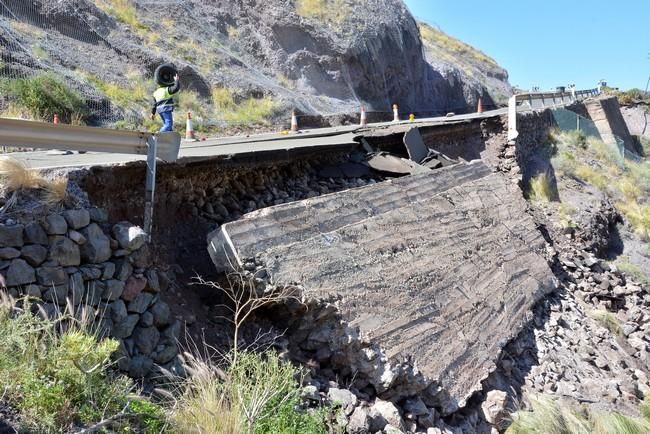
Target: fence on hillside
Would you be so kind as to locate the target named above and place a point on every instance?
(567, 120)
(36, 35)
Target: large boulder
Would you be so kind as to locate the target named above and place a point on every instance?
(494, 408)
(64, 251)
(11, 236)
(55, 224)
(20, 273)
(77, 218)
(384, 413)
(35, 234)
(114, 289)
(134, 286)
(129, 236)
(9, 253)
(97, 248)
(48, 276)
(35, 254)
(146, 339)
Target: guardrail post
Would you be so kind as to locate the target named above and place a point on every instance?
(512, 118)
(150, 187)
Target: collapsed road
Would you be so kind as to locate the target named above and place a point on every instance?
(412, 286)
(441, 267)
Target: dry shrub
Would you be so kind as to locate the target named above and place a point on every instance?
(56, 190)
(540, 189)
(15, 175)
(638, 215)
(203, 405)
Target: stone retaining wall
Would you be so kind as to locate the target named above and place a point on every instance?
(75, 258)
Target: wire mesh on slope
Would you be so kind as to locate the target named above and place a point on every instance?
(34, 34)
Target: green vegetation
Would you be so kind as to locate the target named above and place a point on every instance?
(257, 394)
(43, 95)
(57, 373)
(607, 320)
(437, 40)
(546, 416)
(124, 11)
(206, 113)
(244, 111)
(134, 90)
(329, 11)
(565, 215)
(39, 52)
(540, 189)
(624, 264)
(628, 97)
(593, 162)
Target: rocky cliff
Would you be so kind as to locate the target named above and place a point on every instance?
(320, 56)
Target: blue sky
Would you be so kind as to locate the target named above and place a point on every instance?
(551, 42)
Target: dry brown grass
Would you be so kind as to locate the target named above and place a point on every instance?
(204, 405)
(56, 191)
(15, 176)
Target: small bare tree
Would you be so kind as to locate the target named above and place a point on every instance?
(245, 298)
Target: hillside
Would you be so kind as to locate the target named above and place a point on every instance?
(247, 62)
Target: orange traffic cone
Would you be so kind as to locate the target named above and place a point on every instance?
(189, 129)
(479, 109)
(294, 122)
(56, 118)
(364, 118)
(395, 113)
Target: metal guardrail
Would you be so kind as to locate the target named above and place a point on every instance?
(542, 101)
(29, 134)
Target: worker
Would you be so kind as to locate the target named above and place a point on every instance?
(163, 104)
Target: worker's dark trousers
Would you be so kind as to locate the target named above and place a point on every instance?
(168, 121)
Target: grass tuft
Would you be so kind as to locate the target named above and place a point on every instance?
(433, 38)
(133, 91)
(203, 405)
(592, 176)
(540, 189)
(607, 320)
(16, 176)
(247, 111)
(124, 11)
(56, 191)
(43, 95)
(329, 11)
(545, 415)
(638, 215)
(256, 394)
(625, 264)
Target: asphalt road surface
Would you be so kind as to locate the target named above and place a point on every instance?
(224, 146)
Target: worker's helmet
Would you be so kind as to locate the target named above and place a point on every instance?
(164, 74)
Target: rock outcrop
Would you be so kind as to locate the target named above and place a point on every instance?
(438, 269)
(321, 57)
